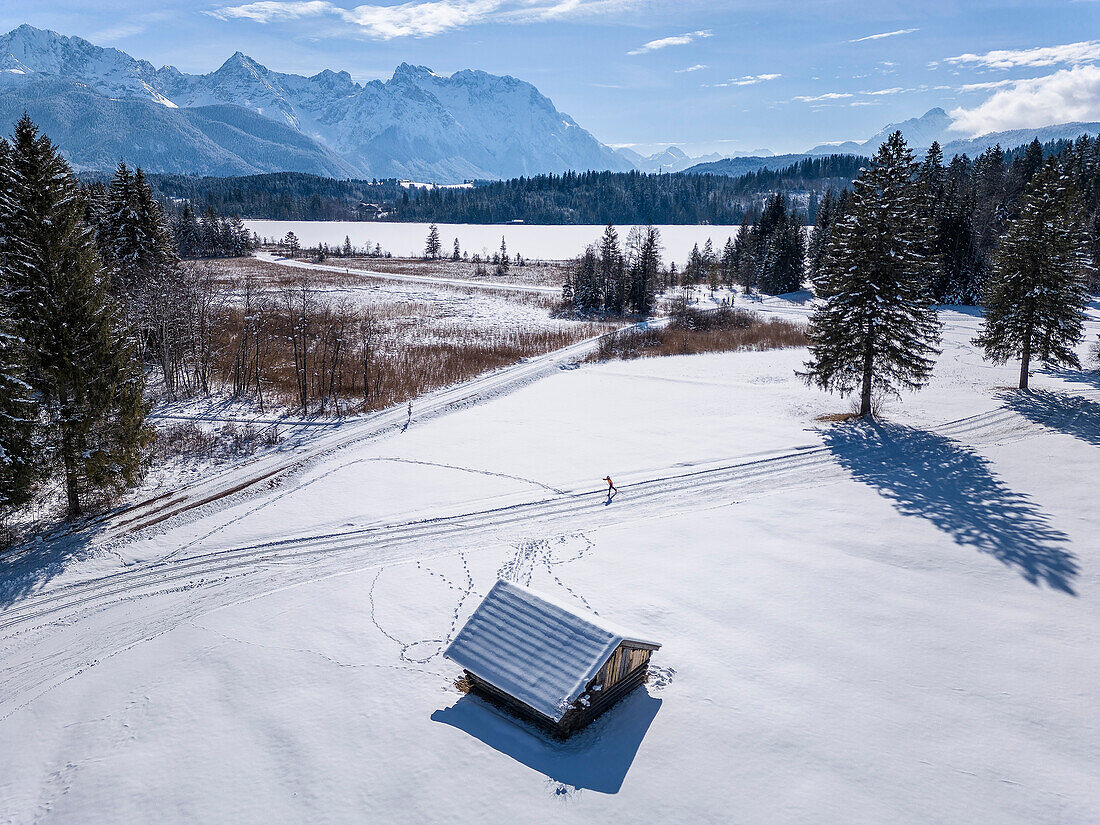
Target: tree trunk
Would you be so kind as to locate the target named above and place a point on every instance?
(1025, 359)
(68, 458)
(865, 395)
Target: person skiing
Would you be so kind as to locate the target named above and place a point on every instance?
(611, 489)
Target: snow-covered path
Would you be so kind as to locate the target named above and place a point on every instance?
(412, 279)
(341, 434)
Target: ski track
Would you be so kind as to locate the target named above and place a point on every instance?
(293, 458)
(215, 579)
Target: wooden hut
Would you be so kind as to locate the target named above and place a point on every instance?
(555, 665)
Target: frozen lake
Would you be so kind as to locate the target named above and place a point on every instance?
(531, 241)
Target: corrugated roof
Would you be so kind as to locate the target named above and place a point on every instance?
(535, 649)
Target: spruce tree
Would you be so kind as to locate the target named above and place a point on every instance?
(432, 246)
(20, 467)
(746, 252)
(693, 268)
(611, 271)
(643, 266)
(20, 447)
(785, 257)
(136, 246)
(188, 233)
(824, 218)
(82, 367)
(292, 244)
(728, 266)
(708, 266)
(1036, 295)
(876, 328)
(587, 293)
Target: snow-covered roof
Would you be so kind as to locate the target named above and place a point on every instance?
(537, 650)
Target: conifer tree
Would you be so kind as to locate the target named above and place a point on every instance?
(20, 467)
(432, 246)
(456, 255)
(728, 265)
(643, 265)
(876, 328)
(20, 447)
(82, 367)
(708, 266)
(693, 268)
(505, 263)
(188, 233)
(587, 292)
(611, 271)
(1036, 295)
(785, 257)
(746, 251)
(136, 246)
(292, 244)
(824, 218)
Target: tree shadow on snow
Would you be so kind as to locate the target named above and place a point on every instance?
(597, 758)
(26, 569)
(927, 475)
(1069, 414)
(1088, 378)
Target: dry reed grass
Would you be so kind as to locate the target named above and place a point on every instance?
(691, 332)
(294, 343)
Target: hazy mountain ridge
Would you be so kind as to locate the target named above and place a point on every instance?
(919, 132)
(95, 132)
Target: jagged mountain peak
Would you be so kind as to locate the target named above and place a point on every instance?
(408, 70)
(241, 62)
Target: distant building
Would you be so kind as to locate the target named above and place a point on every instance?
(558, 667)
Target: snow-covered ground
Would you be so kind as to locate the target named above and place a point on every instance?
(552, 243)
(860, 623)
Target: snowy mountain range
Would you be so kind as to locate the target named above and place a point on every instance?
(101, 104)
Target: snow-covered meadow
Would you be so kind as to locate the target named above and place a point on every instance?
(552, 243)
(860, 623)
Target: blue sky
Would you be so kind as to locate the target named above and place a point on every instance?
(709, 76)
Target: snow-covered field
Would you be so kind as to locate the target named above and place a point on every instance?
(550, 243)
(860, 623)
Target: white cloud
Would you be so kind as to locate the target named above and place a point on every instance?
(267, 11)
(984, 86)
(675, 40)
(421, 18)
(823, 97)
(753, 79)
(696, 68)
(884, 34)
(1067, 95)
(1073, 54)
(418, 19)
(747, 80)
